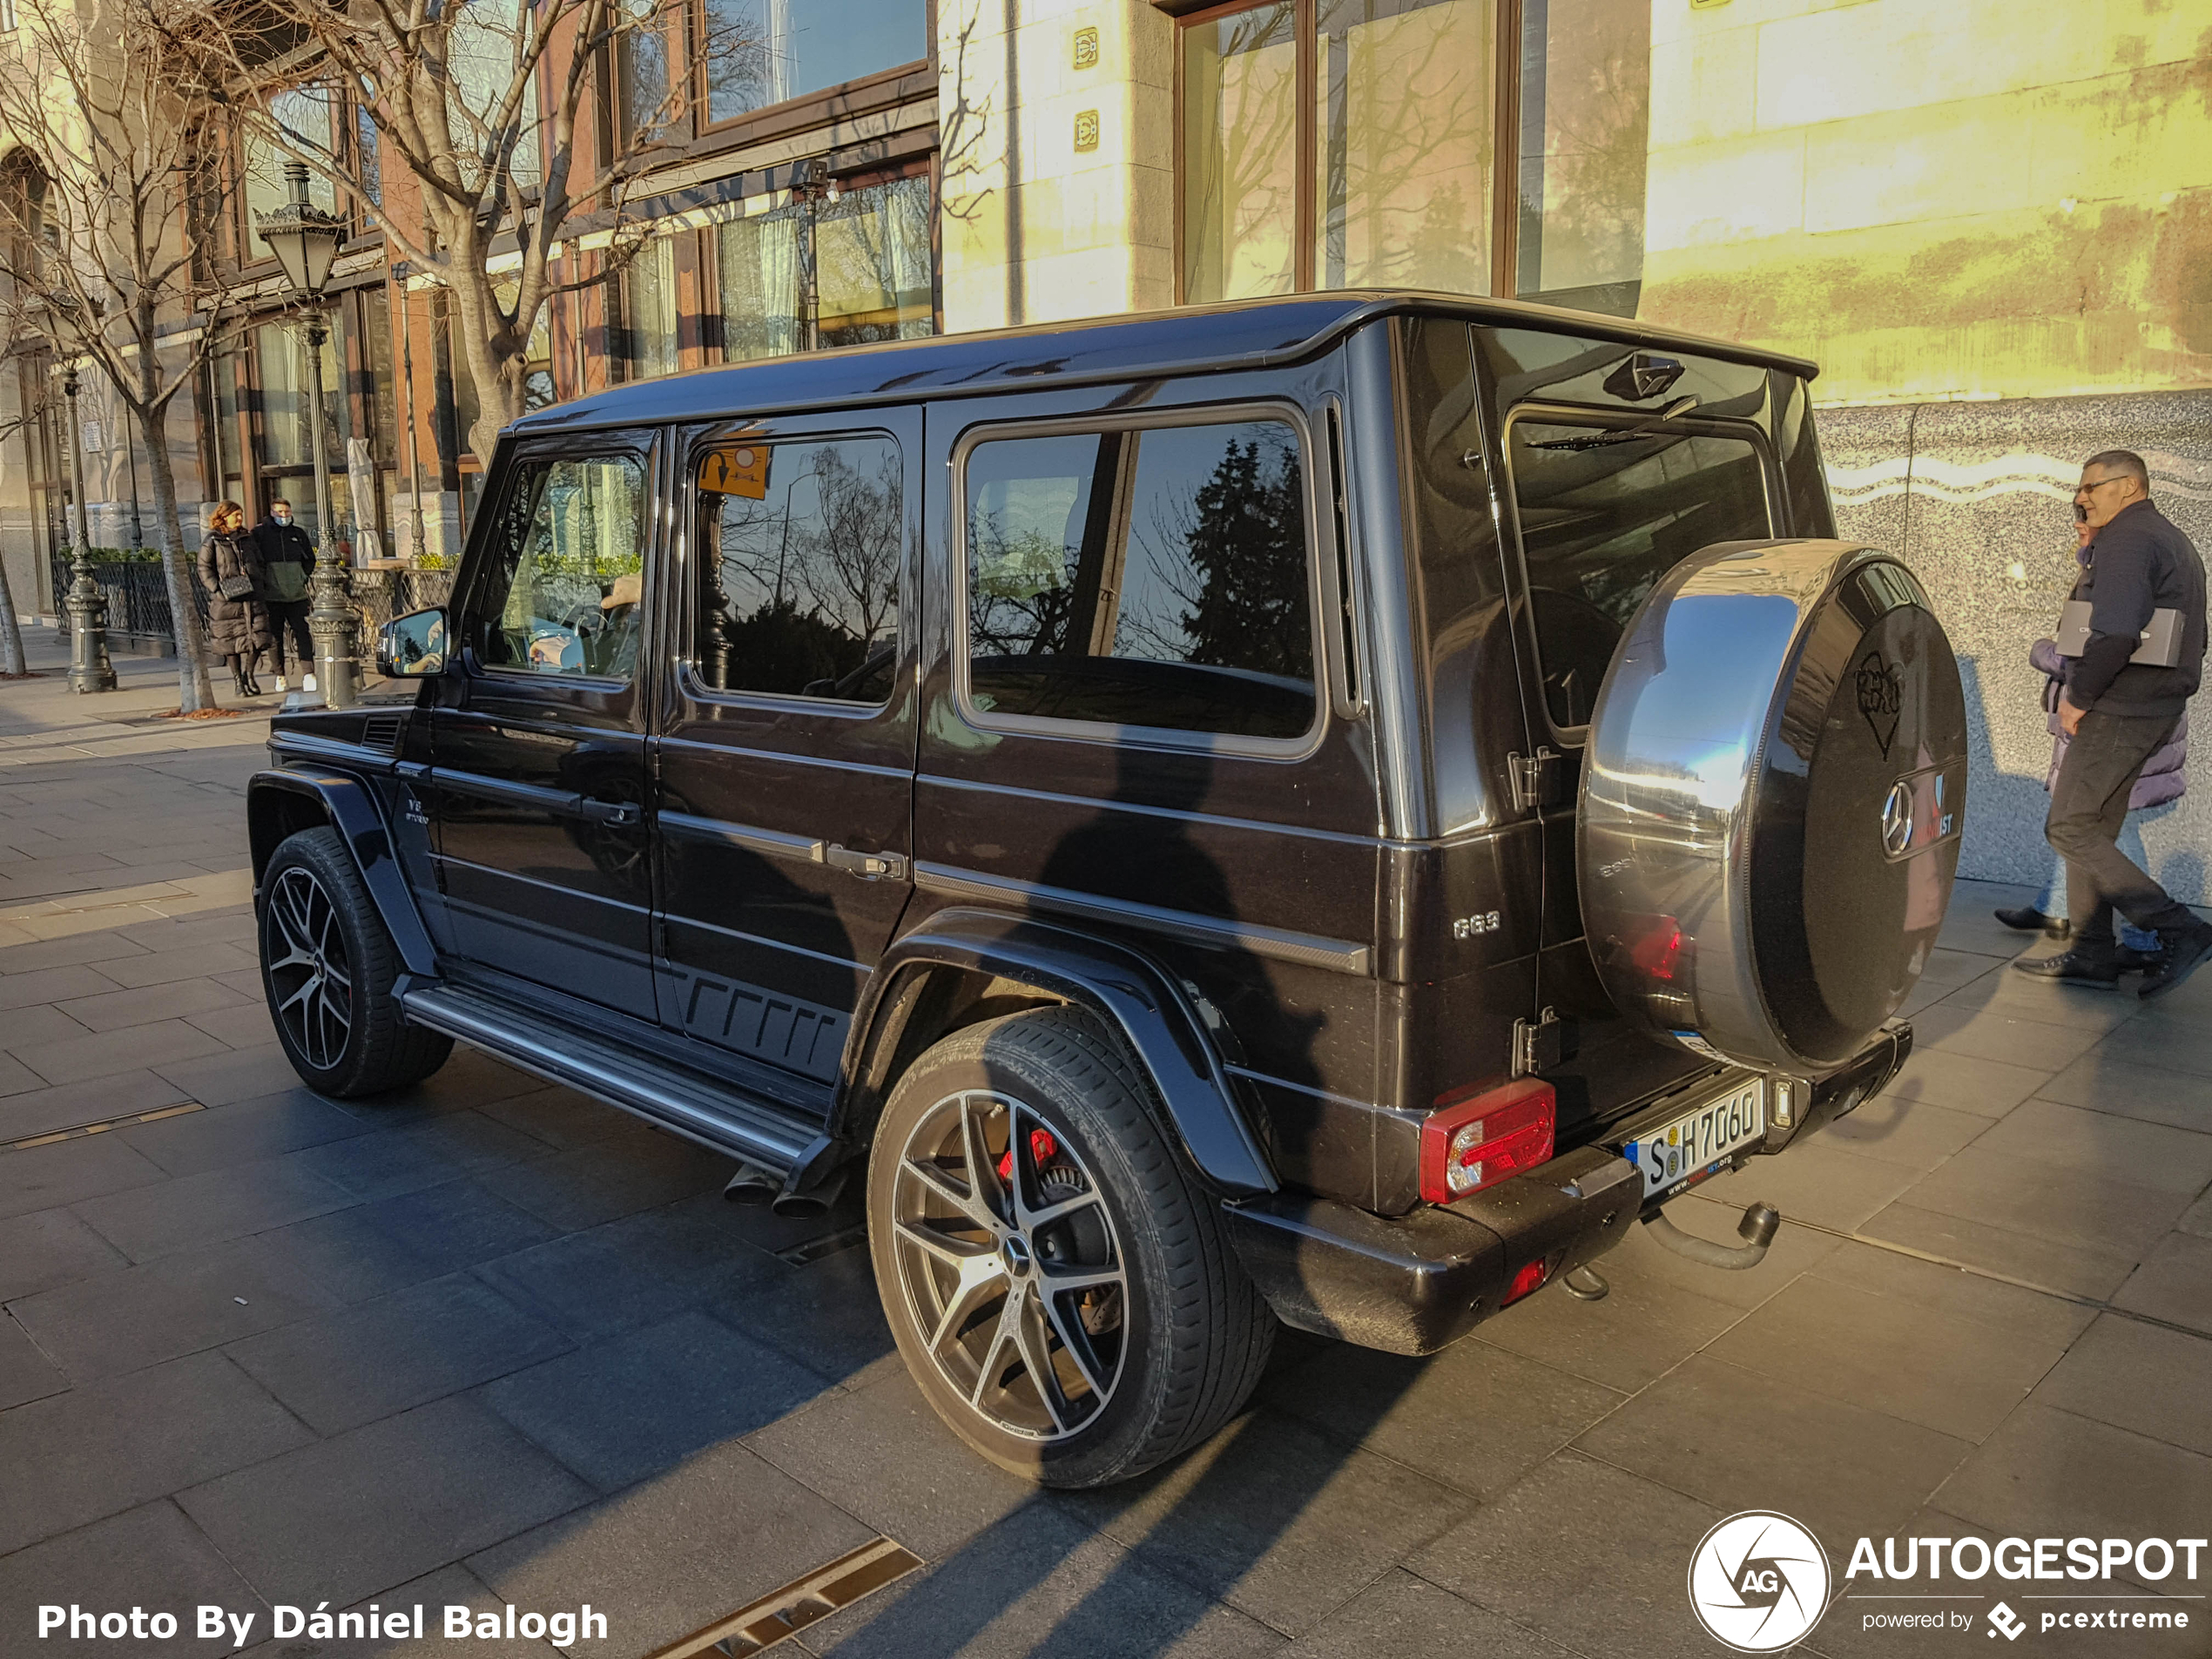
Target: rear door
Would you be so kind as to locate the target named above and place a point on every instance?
(537, 748)
(1602, 497)
(784, 761)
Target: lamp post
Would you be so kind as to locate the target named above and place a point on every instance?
(89, 667)
(305, 239)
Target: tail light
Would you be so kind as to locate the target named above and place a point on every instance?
(1470, 1142)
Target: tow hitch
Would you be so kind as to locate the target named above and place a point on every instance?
(1757, 1229)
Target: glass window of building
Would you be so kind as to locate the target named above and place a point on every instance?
(868, 253)
(306, 113)
(759, 52)
(872, 265)
(643, 84)
(286, 458)
(651, 311)
(758, 261)
(1383, 179)
(1585, 122)
(482, 53)
(1152, 579)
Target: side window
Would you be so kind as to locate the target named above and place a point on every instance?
(1155, 578)
(1604, 514)
(798, 590)
(562, 595)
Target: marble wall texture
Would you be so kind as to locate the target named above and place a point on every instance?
(1977, 498)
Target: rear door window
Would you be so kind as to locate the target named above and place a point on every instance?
(1157, 578)
(1605, 511)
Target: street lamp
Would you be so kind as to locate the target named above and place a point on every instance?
(89, 667)
(305, 239)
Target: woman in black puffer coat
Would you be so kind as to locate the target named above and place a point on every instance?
(237, 628)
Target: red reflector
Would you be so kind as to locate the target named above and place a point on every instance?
(1526, 1280)
(1659, 951)
(1471, 1144)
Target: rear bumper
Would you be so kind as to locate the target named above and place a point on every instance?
(1412, 1284)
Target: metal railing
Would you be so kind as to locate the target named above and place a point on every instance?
(138, 595)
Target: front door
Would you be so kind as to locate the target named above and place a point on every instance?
(537, 744)
(785, 757)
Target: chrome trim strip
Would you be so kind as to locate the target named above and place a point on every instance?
(676, 919)
(1308, 950)
(507, 791)
(774, 843)
(442, 1009)
(707, 748)
(506, 917)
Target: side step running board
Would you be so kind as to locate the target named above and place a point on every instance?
(713, 1113)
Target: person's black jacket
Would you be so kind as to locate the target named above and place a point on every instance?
(2138, 563)
(284, 541)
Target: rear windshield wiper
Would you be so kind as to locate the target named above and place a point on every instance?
(1681, 406)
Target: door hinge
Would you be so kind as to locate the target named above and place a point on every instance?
(1539, 1046)
(1534, 778)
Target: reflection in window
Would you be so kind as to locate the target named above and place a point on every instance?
(1605, 515)
(759, 52)
(1240, 154)
(564, 587)
(872, 265)
(483, 51)
(304, 112)
(641, 52)
(1397, 184)
(1585, 123)
(800, 593)
(869, 251)
(1143, 579)
(1403, 138)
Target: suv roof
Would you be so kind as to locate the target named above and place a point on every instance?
(1251, 333)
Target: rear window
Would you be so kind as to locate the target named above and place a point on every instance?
(1605, 511)
(1154, 578)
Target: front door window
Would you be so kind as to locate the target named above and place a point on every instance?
(562, 591)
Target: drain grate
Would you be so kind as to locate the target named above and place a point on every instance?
(81, 1131)
(800, 1603)
(812, 1250)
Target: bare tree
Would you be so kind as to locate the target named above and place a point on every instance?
(475, 175)
(100, 240)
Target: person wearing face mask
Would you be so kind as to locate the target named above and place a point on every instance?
(2117, 714)
(287, 557)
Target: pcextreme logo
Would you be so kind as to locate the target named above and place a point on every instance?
(1758, 1582)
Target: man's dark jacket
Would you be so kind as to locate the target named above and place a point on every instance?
(286, 544)
(2138, 563)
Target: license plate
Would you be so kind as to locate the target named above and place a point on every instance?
(1698, 1144)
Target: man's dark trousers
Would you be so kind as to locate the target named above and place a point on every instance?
(290, 616)
(2088, 807)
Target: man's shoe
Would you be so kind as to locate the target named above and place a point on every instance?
(283, 685)
(2187, 950)
(2140, 962)
(2028, 919)
(2097, 969)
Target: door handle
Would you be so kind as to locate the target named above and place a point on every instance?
(612, 814)
(869, 867)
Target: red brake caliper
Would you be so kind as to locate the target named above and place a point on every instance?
(1043, 1150)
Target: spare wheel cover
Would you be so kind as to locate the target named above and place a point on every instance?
(1771, 801)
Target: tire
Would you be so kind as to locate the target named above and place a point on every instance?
(1108, 1251)
(327, 966)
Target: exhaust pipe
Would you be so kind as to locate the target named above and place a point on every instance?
(751, 1184)
(1757, 1229)
(815, 1201)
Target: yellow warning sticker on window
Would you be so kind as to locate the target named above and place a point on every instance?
(741, 471)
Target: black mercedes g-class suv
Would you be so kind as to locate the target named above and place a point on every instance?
(1329, 809)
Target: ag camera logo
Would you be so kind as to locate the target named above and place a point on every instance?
(1758, 1582)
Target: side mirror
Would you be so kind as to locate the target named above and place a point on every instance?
(413, 646)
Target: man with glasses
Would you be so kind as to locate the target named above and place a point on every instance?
(2117, 713)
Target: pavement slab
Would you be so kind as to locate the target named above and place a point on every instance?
(2149, 1379)
(150, 1557)
(344, 1519)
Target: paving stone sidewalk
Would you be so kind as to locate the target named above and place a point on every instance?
(489, 1342)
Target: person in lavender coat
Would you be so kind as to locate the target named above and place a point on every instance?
(2162, 780)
